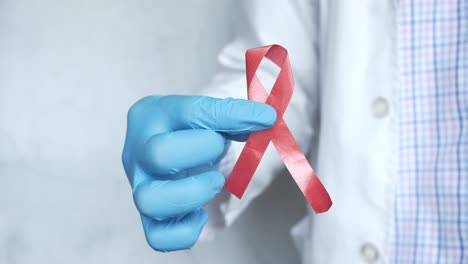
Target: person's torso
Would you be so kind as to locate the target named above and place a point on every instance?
(360, 155)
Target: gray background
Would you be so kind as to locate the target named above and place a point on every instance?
(69, 70)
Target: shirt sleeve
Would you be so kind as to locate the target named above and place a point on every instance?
(294, 25)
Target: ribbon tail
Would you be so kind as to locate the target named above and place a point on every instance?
(247, 163)
(300, 169)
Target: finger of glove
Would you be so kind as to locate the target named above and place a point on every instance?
(175, 233)
(164, 199)
(232, 116)
(172, 152)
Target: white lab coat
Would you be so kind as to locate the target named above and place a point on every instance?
(343, 113)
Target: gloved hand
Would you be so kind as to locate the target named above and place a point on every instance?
(171, 153)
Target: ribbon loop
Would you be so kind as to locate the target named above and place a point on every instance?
(279, 134)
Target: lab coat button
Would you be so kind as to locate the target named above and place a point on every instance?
(369, 253)
(380, 107)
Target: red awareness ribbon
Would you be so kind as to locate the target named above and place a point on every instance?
(279, 134)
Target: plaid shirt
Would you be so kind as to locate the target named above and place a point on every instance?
(431, 200)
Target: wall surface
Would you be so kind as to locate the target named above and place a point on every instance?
(69, 70)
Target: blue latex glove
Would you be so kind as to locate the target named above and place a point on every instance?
(171, 152)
